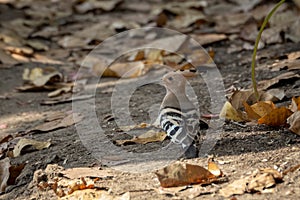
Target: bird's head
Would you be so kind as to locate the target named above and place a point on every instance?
(174, 82)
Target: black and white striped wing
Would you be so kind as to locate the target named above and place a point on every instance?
(179, 126)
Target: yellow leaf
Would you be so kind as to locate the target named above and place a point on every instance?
(229, 112)
(214, 169)
(33, 74)
(27, 142)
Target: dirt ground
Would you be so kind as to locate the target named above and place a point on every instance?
(239, 151)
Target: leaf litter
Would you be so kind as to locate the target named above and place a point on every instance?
(22, 44)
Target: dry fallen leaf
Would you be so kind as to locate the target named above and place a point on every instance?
(6, 58)
(247, 95)
(4, 173)
(74, 173)
(92, 194)
(38, 77)
(128, 70)
(65, 89)
(294, 122)
(285, 64)
(236, 187)
(239, 96)
(263, 179)
(68, 99)
(14, 172)
(259, 181)
(135, 126)
(209, 38)
(89, 5)
(276, 117)
(265, 84)
(263, 108)
(230, 113)
(171, 190)
(5, 137)
(295, 104)
(250, 112)
(214, 169)
(154, 56)
(42, 79)
(272, 95)
(68, 120)
(30, 75)
(28, 142)
(149, 136)
(179, 174)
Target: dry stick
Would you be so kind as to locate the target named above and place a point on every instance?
(253, 63)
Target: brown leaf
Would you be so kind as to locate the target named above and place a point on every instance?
(15, 171)
(276, 117)
(295, 104)
(139, 55)
(72, 41)
(240, 96)
(63, 99)
(4, 173)
(297, 2)
(68, 120)
(247, 95)
(179, 174)
(74, 173)
(263, 108)
(5, 137)
(66, 89)
(294, 32)
(26, 51)
(28, 142)
(150, 136)
(5, 58)
(209, 38)
(128, 70)
(92, 194)
(294, 122)
(236, 187)
(37, 45)
(259, 180)
(265, 84)
(250, 113)
(285, 64)
(187, 18)
(135, 126)
(272, 95)
(262, 179)
(92, 5)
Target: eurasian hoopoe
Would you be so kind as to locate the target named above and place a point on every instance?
(178, 116)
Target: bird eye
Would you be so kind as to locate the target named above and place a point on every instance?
(170, 78)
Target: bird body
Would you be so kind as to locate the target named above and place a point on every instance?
(178, 116)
